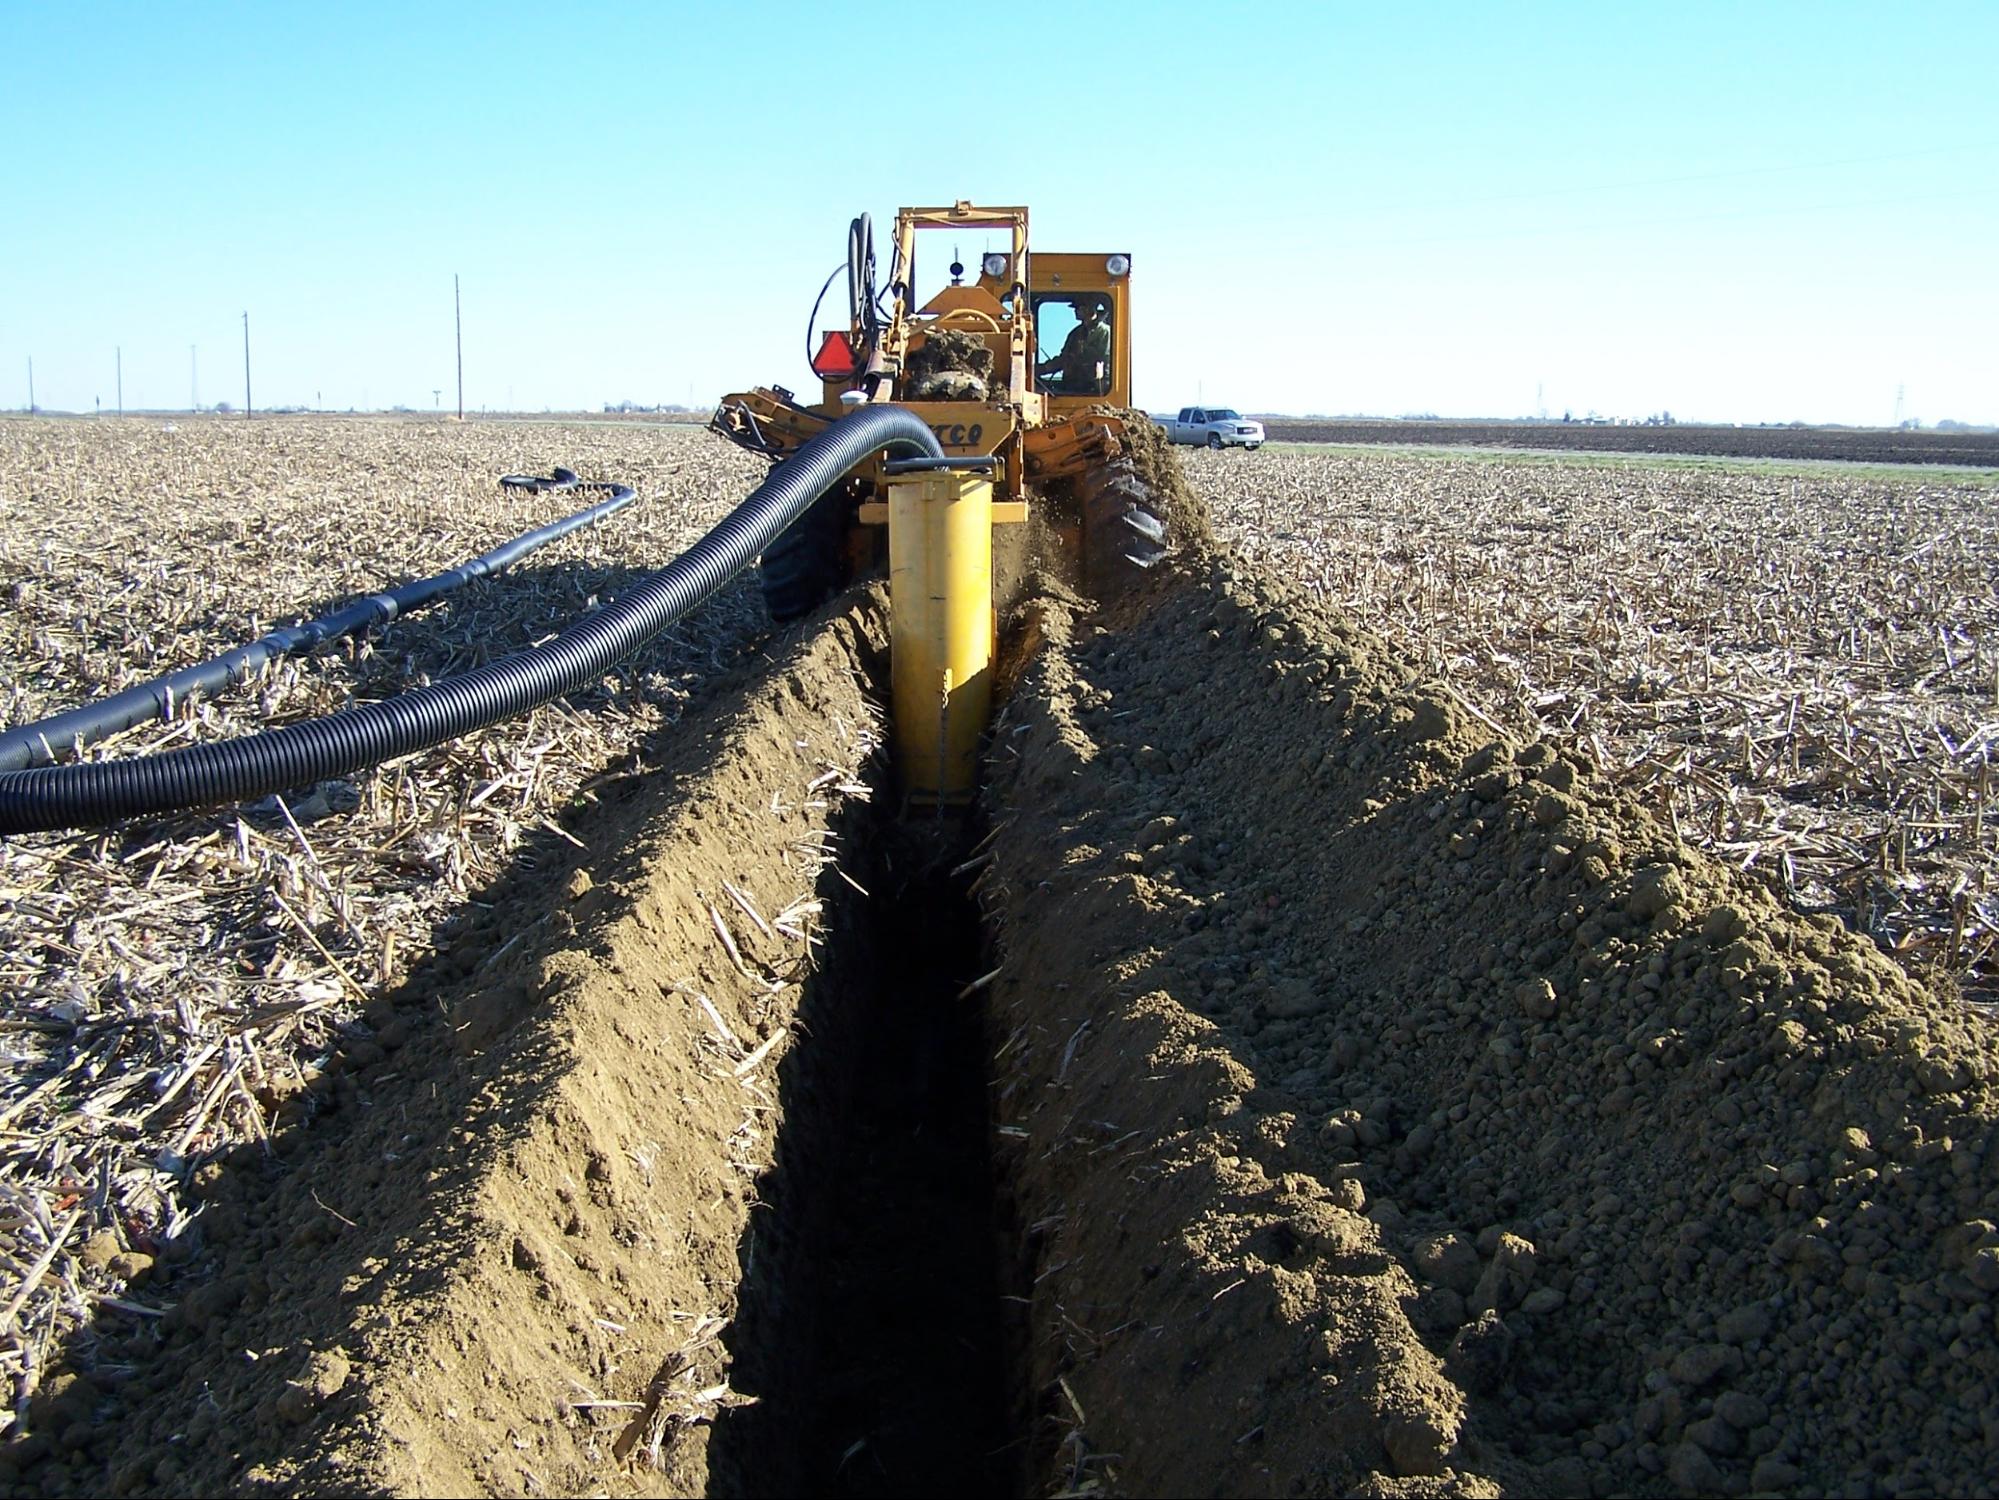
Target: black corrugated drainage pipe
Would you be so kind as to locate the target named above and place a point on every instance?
(87, 796)
(39, 744)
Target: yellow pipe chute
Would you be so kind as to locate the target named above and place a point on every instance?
(940, 577)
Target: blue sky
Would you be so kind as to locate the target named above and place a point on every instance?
(1738, 213)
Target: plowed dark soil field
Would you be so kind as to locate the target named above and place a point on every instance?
(1283, 1082)
(1849, 444)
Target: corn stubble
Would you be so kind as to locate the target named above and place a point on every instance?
(171, 988)
(1799, 674)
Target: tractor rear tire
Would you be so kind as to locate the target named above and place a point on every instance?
(802, 569)
(1124, 528)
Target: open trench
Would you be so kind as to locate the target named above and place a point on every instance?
(1282, 1087)
(669, 1172)
(871, 1322)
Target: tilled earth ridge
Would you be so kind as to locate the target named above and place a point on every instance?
(500, 1250)
(1392, 1111)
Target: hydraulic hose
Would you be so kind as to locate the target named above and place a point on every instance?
(89, 795)
(37, 744)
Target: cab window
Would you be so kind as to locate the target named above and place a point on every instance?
(1073, 356)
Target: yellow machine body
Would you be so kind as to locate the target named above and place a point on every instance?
(1041, 438)
(942, 628)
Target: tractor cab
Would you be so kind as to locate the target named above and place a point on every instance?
(1080, 309)
(1022, 372)
(1055, 323)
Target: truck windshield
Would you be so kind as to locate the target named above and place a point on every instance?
(1223, 415)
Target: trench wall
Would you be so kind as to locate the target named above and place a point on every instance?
(1393, 1108)
(500, 1248)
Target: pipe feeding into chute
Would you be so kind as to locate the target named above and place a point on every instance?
(88, 795)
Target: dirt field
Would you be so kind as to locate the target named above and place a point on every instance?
(1305, 1075)
(1426, 1118)
(1874, 445)
(1799, 673)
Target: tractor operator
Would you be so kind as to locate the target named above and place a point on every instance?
(1084, 365)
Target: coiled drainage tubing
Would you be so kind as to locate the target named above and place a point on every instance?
(37, 744)
(86, 796)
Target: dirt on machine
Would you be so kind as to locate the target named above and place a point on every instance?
(1023, 373)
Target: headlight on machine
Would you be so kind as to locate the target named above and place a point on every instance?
(995, 265)
(1117, 265)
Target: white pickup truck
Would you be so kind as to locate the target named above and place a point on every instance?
(1215, 426)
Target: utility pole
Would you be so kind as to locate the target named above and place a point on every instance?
(121, 380)
(458, 320)
(31, 385)
(246, 366)
(436, 395)
(193, 381)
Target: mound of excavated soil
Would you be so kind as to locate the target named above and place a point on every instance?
(1396, 1112)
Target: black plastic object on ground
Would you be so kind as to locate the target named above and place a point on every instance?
(86, 796)
(39, 744)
